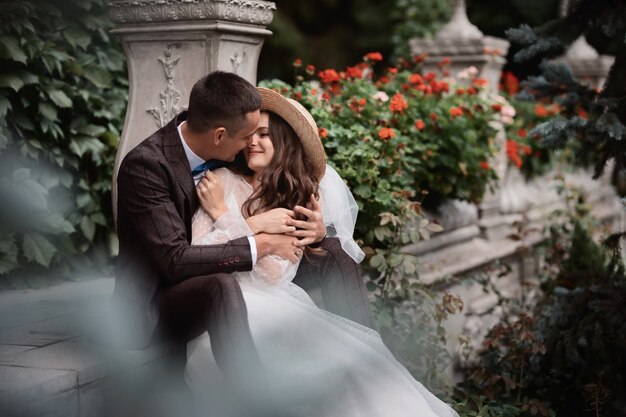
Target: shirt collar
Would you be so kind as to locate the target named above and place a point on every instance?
(193, 159)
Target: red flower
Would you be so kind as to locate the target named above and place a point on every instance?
(433, 116)
(444, 62)
(383, 80)
(420, 57)
(373, 56)
(310, 69)
(386, 133)
(419, 125)
(354, 72)
(527, 150)
(297, 96)
(392, 70)
(398, 104)
(582, 114)
(323, 133)
(460, 91)
(430, 76)
(510, 83)
(456, 111)
(485, 165)
(415, 79)
(329, 76)
(522, 133)
(480, 82)
(326, 96)
(471, 90)
(541, 111)
(496, 106)
(439, 86)
(297, 63)
(512, 151)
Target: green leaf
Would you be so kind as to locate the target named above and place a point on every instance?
(60, 98)
(83, 144)
(98, 76)
(38, 249)
(10, 50)
(75, 36)
(8, 255)
(48, 111)
(88, 227)
(12, 81)
(56, 224)
(5, 106)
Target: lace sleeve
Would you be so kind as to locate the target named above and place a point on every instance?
(231, 225)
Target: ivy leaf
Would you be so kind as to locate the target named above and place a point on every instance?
(10, 50)
(88, 227)
(5, 106)
(8, 255)
(77, 37)
(38, 249)
(60, 98)
(83, 144)
(56, 224)
(12, 81)
(98, 76)
(48, 111)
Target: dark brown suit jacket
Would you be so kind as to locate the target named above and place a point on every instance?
(156, 201)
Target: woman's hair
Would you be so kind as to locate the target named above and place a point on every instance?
(288, 180)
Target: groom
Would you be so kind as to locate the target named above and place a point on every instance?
(168, 287)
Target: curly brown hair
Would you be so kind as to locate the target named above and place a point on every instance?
(288, 180)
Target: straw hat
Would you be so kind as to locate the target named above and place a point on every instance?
(301, 122)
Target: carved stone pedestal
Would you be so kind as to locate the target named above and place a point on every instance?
(170, 44)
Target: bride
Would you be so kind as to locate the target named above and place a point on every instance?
(316, 363)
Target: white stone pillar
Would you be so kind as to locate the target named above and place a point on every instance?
(170, 44)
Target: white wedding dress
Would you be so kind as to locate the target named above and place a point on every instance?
(310, 355)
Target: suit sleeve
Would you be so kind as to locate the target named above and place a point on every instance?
(145, 201)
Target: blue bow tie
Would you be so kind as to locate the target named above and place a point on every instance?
(209, 165)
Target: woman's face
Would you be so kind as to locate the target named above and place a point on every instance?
(260, 150)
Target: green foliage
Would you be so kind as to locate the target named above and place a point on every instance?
(417, 19)
(63, 93)
(561, 352)
(600, 137)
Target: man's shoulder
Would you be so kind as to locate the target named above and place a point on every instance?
(150, 149)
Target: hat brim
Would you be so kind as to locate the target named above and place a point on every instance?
(301, 122)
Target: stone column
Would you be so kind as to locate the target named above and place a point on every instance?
(465, 45)
(170, 44)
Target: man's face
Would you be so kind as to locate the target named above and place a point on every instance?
(234, 142)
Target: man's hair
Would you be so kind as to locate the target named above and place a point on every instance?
(221, 99)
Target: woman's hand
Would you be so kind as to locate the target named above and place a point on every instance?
(272, 221)
(279, 245)
(211, 194)
(312, 230)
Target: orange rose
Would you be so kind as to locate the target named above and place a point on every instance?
(398, 104)
(456, 111)
(323, 133)
(419, 125)
(485, 165)
(386, 133)
(329, 76)
(374, 56)
(415, 79)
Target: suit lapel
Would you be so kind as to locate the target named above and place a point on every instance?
(175, 154)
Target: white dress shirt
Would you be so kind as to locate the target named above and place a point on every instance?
(194, 161)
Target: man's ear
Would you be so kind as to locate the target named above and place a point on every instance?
(219, 135)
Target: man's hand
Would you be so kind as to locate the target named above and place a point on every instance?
(279, 245)
(272, 221)
(312, 230)
(211, 194)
